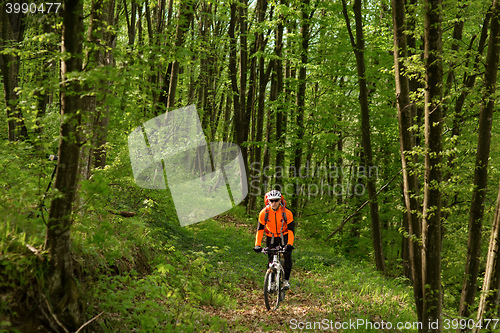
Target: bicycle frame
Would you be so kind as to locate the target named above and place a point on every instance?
(273, 278)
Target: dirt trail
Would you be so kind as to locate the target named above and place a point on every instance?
(251, 311)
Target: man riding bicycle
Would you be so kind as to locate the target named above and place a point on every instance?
(277, 222)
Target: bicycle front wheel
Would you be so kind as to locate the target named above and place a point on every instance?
(281, 283)
(271, 294)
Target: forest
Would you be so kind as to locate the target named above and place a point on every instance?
(376, 119)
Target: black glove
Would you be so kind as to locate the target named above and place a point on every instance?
(257, 249)
(288, 248)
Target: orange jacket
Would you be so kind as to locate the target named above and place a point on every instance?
(273, 225)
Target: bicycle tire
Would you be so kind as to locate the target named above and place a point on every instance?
(282, 277)
(281, 289)
(279, 286)
(271, 302)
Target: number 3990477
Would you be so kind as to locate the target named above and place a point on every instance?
(32, 8)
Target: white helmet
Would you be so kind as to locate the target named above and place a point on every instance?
(273, 194)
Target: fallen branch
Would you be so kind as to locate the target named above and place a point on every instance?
(341, 226)
(88, 322)
(53, 314)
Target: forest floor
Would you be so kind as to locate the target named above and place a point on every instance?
(139, 276)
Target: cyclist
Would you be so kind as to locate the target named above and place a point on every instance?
(277, 222)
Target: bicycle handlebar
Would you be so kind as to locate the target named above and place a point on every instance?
(274, 250)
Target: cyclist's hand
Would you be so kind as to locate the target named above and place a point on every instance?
(257, 249)
(288, 248)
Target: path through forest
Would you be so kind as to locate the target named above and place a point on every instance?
(316, 295)
(252, 313)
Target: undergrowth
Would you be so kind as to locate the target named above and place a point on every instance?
(138, 270)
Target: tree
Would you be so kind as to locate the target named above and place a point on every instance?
(241, 119)
(277, 86)
(307, 14)
(263, 74)
(431, 216)
(481, 166)
(186, 14)
(12, 28)
(491, 283)
(358, 45)
(407, 143)
(101, 40)
(62, 285)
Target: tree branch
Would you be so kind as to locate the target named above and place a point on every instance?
(341, 226)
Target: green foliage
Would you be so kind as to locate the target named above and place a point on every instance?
(147, 273)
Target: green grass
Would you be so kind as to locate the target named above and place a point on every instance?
(209, 267)
(147, 274)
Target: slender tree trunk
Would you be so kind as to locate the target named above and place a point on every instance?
(340, 148)
(131, 26)
(11, 32)
(358, 47)
(469, 80)
(280, 113)
(186, 14)
(481, 168)
(46, 69)
(96, 116)
(407, 143)
(241, 119)
(62, 286)
(233, 71)
(156, 23)
(250, 105)
(431, 220)
(301, 95)
(415, 80)
(102, 113)
(490, 292)
(263, 79)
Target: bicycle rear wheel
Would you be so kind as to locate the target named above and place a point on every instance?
(271, 295)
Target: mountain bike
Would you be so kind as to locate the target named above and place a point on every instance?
(273, 281)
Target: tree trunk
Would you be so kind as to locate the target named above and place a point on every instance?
(469, 80)
(489, 296)
(44, 72)
(250, 107)
(407, 143)
(278, 93)
(96, 116)
(263, 79)
(102, 113)
(156, 22)
(131, 26)
(301, 96)
(481, 168)
(186, 14)
(431, 220)
(358, 47)
(62, 286)
(241, 119)
(12, 32)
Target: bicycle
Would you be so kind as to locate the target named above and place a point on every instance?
(273, 281)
